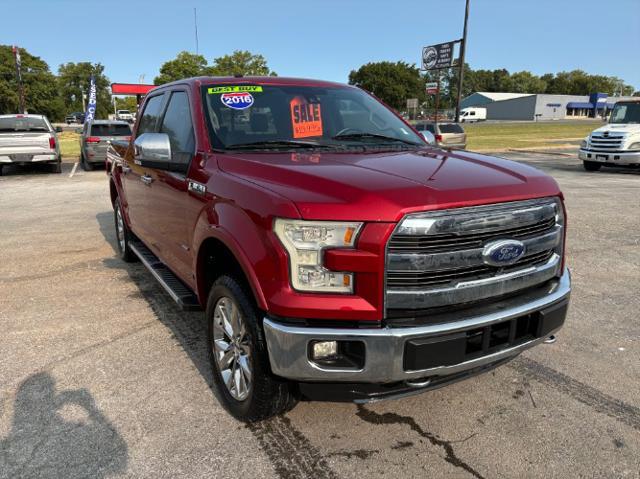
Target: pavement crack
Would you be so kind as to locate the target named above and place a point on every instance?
(590, 396)
(393, 418)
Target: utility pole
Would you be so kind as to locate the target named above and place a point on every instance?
(463, 47)
(195, 23)
(16, 56)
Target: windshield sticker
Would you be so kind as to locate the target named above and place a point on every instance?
(237, 101)
(234, 89)
(306, 118)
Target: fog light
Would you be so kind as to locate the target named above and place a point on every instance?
(324, 349)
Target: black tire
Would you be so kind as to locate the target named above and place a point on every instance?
(591, 165)
(267, 395)
(124, 251)
(84, 164)
(56, 167)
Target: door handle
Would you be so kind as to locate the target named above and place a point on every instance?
(146, 179)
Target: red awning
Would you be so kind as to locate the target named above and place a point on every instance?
(130, 88)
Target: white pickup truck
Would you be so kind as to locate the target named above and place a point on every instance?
(124, 115)
(28, 139)
(618, 142)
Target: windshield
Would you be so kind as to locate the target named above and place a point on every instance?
(22, 123)
(285, 116)
(625, 113)
(124, 112)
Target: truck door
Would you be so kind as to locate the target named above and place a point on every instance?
(168, 214)
(135, 177)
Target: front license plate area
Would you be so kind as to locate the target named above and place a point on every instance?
(602, 157)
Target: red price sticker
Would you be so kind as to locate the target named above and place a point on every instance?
(306, 118)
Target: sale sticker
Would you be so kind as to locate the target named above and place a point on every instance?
(306, 118)
(234, 89)
(237, 101)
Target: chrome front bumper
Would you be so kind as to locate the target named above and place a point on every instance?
(611, 157)
(385, 347)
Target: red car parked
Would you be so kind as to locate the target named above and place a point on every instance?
(336, 255)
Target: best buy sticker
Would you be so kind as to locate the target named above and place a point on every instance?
(234, 89)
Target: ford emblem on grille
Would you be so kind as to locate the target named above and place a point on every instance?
(503, 252)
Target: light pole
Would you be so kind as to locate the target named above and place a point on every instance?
(463, 47)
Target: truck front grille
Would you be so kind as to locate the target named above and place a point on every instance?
(436, 259)
(606, 143)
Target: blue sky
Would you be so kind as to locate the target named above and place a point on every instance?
(327, 38)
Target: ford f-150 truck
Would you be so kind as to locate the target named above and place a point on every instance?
(336, 255)
(616, 143)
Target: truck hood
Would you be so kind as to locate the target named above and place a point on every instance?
(618, 128)
(386, 186)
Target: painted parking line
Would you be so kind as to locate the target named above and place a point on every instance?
(73, 170)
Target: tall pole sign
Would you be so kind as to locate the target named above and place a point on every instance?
(16, 56)
(463, 48)
(437, 57)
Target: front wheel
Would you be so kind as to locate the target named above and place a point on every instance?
(591, 165)
(242, 377)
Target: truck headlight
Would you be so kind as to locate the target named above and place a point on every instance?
(634, 146)
(305, 242)
(584, 143)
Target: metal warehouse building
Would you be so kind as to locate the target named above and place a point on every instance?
(523, 106)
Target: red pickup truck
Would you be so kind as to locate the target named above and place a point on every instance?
(336, 255)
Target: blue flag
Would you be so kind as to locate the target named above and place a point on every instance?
(90, 114)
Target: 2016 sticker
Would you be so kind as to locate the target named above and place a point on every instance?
(237, 101)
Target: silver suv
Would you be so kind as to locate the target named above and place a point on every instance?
(95, 140)
(26, 139)
(447, 134)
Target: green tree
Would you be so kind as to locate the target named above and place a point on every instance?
(126, 103)
(185, 65)
(393, 83)
(39, 85)
(241, 62)
(74, 80)
(524, 82)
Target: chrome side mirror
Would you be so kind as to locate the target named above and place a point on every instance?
(152, 149)
(428, 137)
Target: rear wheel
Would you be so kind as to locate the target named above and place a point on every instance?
(242, 376)
(85, 165)
(591, 165)
(57, 166)
(122, 234)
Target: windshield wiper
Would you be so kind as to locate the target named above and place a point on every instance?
(363, 135)
(275, 144)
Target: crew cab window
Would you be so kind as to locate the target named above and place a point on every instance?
(150, 115)
(178, 125)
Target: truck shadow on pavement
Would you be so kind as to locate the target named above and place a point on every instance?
(59, 434)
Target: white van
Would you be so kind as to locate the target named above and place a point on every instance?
(471, 114)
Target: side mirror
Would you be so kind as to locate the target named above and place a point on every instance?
(428, 137)
(152, 150)
(58, 129)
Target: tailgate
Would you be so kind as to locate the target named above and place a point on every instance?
(453, 138)
(24, 142)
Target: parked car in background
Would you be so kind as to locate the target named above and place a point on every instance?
(28, 139)
(75, 117)
(124, 115)
(473, 114)
(446, 134)
(616, 143)
(336, 255)
(95, 139)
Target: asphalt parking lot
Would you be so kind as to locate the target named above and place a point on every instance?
(102, 376)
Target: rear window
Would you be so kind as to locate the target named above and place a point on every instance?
(22, 124)
(110, 130)
(450, 128)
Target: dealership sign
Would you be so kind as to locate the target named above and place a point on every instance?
(438, 56)
(90, 114)
(432, 88)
